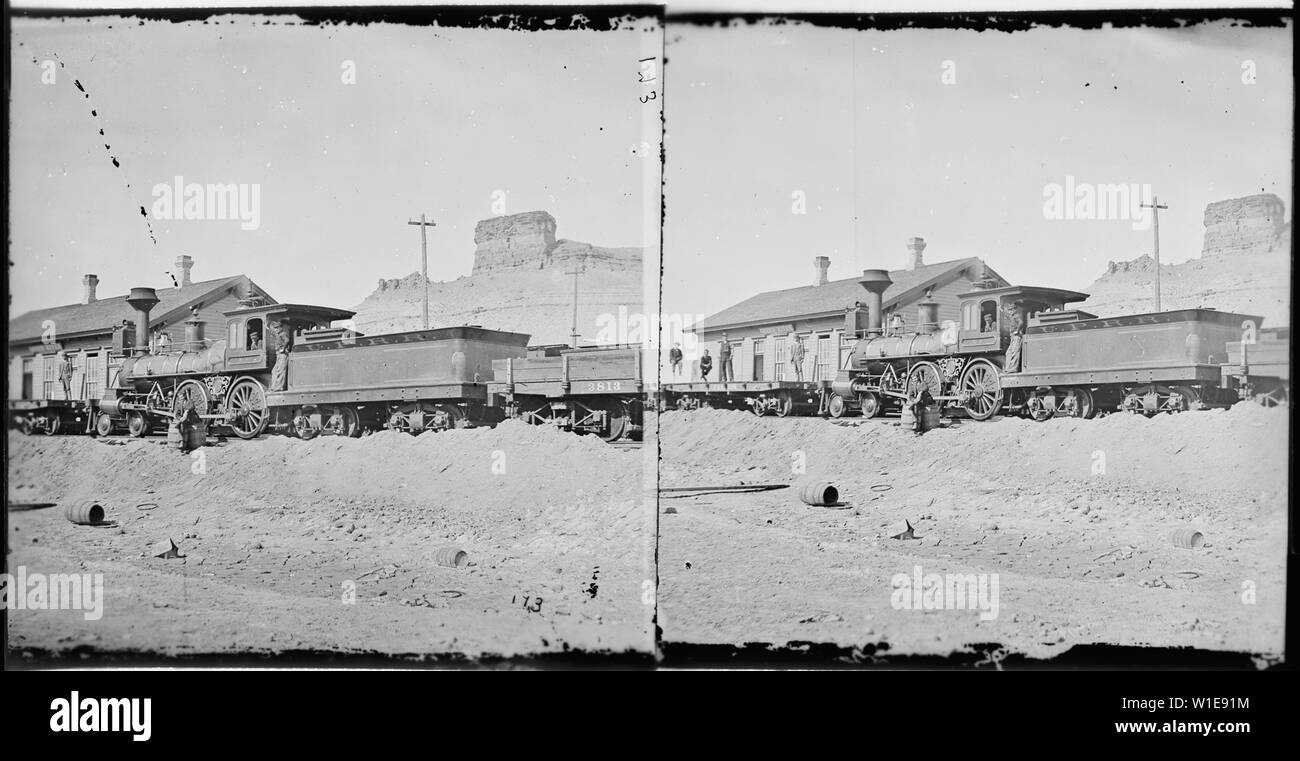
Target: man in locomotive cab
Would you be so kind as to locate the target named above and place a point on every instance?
(1015, 340)
(283, 333)
(254, 340)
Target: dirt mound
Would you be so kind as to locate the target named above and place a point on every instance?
(557, 527)
(1241, 448)
(1073, 518)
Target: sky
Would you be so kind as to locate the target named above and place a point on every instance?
(863, 125)
(442, 121)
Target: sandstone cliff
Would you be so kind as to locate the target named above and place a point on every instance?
(1245, 266)
(521, 282)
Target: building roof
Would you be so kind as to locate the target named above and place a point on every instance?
(104, 314)
(837, 295)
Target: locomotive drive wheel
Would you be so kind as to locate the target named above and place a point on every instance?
(137, 424)
(870, 404)
(189, 394)
(104, 424)
(836, 406)
(924, 375)
(246, 412)
(981, 389)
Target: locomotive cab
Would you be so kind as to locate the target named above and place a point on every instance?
(988, 314)
(250, 332)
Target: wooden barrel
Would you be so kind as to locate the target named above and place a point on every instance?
(196, 435)
(452, 557)
(85, 513)
(819, 493)
(1188, 538)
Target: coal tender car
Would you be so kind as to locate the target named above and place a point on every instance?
(337, 381)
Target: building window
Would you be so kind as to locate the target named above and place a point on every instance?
(759, 356)
(782, 358)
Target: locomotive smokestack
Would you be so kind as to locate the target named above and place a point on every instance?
(876, 282)
(142, 300)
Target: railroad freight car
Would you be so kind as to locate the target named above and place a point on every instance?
(596, 390)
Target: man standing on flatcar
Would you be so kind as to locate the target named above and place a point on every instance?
(675, 359)
(796, 355)
(65, 373)
(724, 361)
(283, 334)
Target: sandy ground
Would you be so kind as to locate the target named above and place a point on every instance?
(278, 532)
(1073, 517)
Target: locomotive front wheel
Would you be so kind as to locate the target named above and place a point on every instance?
(836, 406)
(137, 424)
(981, 389)
(870, 404)
(246, 412)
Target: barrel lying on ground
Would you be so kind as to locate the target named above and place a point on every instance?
(819, 493)
(85, 513)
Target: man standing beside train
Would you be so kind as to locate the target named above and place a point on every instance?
(283, 335)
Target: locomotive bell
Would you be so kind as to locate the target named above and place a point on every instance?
(875, 282)
(142, 300)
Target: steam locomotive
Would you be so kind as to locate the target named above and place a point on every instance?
(336, 381)
(1019, 349)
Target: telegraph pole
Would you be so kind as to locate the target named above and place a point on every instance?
(579, 266)
(1155, 206)
(424, 262)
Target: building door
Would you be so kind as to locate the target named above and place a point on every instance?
(27, 379)
(824, 370)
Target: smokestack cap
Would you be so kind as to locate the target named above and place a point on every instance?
(142, 298)
(875, 281)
